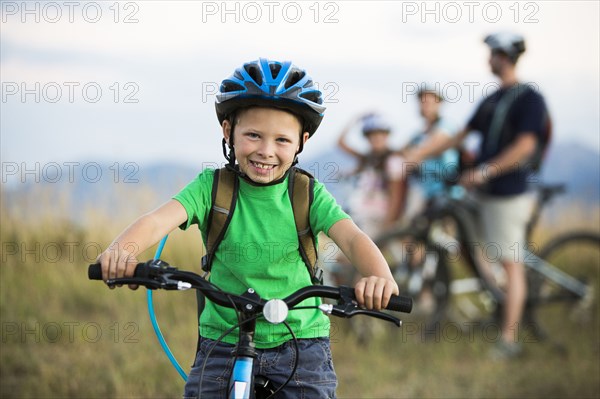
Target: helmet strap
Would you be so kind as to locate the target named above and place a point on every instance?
(228, 152)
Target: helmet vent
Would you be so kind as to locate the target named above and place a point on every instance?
(229, 86)
(275, 68)
(313, 96)
(294, 77)
(238, 75)
(254, 73)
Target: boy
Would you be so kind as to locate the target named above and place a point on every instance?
(267, 111)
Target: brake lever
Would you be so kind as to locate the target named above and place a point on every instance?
(163, 281)
(351, 310)
(146, 282)
(348, 307)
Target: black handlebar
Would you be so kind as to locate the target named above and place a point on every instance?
(158, 274)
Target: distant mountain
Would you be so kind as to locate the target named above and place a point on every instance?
(127, 188)
(570, 163)
(578, 167)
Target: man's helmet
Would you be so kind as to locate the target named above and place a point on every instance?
(511, 44)
(272, 84)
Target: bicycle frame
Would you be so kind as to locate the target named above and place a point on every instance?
(464, 214)
(241, 382)
(472, 289)
(554, 274)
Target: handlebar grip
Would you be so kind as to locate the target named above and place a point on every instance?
(400, 304)
(95, 271)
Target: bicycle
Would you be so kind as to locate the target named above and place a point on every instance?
(368, 215)
(438, 255)
(157, 274)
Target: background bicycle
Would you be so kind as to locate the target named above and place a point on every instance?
(439, 260)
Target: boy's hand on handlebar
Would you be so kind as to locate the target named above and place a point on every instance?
(374, 292)
(117, 263)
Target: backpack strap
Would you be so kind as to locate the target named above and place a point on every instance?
(498, 125)
(224, 198)
(500, 113)
(301, 191)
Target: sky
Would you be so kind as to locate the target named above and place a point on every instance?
(135, 81)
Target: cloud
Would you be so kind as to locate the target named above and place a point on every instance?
(171, 57)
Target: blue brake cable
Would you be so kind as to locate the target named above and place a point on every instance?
(157, 331)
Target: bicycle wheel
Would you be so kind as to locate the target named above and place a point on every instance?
(420, 271)
(565, 286)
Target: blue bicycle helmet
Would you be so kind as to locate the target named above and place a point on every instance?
(275, 84)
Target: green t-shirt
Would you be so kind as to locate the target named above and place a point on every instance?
(260, 251)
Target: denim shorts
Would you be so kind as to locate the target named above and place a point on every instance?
(314, 376)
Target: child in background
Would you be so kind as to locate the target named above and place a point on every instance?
(377, 201)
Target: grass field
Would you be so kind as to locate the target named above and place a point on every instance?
(64, 336)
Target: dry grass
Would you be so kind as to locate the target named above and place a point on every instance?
(64, 336)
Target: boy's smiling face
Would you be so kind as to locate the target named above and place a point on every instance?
(266, 142)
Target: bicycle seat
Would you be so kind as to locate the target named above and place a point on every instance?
(548, 191)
